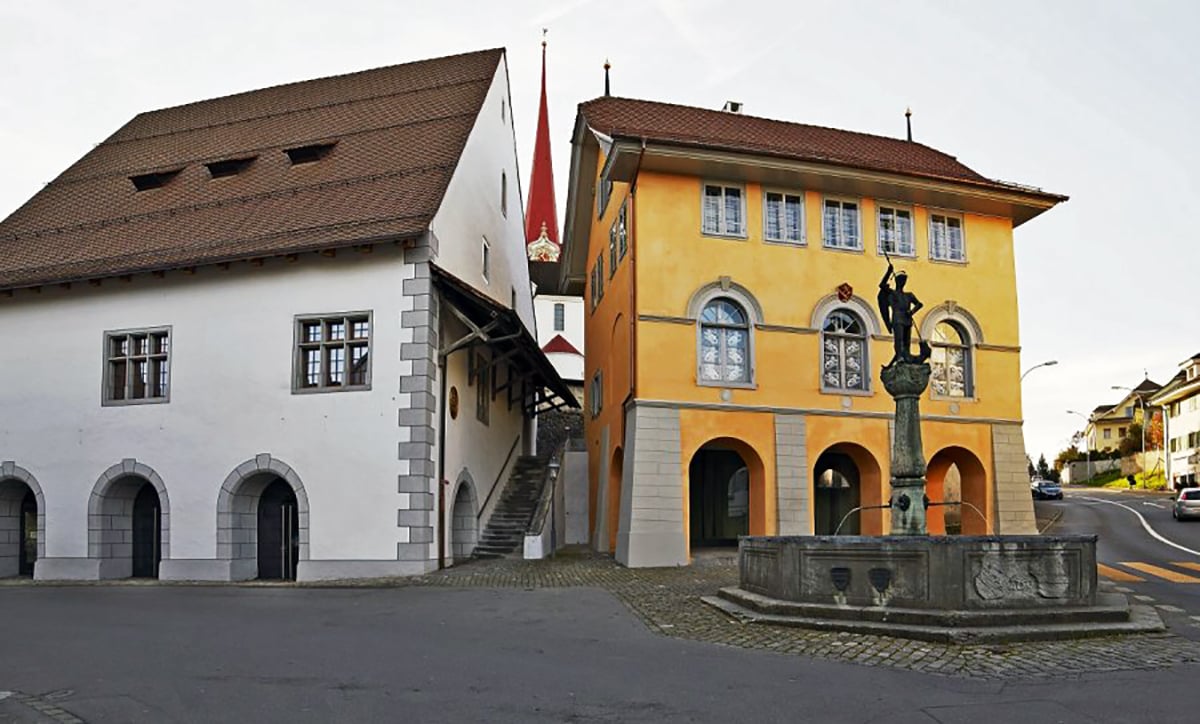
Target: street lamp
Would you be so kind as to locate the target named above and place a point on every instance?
(1050, 363)
(1141, 403)
(1087, 448)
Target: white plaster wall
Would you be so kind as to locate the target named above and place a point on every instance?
(470, 444)
(1186, 422)
(230, 398)
(569, 366)
(470, 209)
(543, 305)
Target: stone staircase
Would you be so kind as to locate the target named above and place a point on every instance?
(506, 528)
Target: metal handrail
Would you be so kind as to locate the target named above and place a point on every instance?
(549, 482)
(499, 476)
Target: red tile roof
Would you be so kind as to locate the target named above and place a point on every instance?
(399, 132)
(560, 344)
(720, 130)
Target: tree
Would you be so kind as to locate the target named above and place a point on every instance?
(1069, 455)
(1043, 468)
(1154, 433)
(1032, 470)
(1132, 442)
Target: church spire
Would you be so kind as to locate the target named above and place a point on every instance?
(541, 213)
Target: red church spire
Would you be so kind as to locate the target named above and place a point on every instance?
(541, 214)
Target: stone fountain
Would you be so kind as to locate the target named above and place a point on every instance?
(940, 588)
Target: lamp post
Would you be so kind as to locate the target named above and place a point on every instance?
(1142, 404)
(1049, 363)
(1087, 447)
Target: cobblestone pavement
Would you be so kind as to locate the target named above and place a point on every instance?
(667, 600)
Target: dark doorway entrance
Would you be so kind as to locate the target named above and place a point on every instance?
(147, 533)
(836, 492)
(28, 553)
(719, 491)
(278, 533)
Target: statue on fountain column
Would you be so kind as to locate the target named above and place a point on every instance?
(898, 307)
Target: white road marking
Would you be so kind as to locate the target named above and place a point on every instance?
(1146, 599)
(1122, 589)
(1146, 525)
(1153, 505)
(1195, 618)
(1168, 607)
(5, 694)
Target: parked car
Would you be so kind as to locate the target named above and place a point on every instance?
(1187, 505)
(1046, 490)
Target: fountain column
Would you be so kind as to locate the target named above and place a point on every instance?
(905, 382)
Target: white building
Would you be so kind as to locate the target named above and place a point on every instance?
(247, 325)
(1180, 399)
(560, 334)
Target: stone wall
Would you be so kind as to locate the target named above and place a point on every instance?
(1013, 503)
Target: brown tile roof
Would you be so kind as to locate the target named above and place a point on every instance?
(398, 132)
(719, 130)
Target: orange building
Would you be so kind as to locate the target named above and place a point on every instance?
(730, 266)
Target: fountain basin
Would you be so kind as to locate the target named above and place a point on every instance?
(946, 588)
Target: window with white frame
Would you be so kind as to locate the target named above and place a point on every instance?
(596, 394)
(950, 360)
(1108, 433)
(560, 316)
(946, 237)
(896, 231)
(612, 250)
(603, 194)
(724, 343)
(783, 217)
(333, 352)
(483, 390)
(843, 351)
(724, 210)
(137, 366)
(840, 225)
(617, 242)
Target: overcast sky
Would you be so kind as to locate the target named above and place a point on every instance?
(1096, 100)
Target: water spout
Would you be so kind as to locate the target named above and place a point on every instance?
(855, 510)
(986, 523)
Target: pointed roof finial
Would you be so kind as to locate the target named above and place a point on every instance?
(908, 121)
(607, 65)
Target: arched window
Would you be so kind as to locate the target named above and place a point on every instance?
(843, 352)
(951, 360)
(724, 343)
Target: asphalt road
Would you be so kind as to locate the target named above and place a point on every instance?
(1127, 550)
(217, 654)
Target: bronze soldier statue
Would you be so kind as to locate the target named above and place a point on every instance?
(898, 307)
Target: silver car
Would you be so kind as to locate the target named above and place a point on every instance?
(1187, 505)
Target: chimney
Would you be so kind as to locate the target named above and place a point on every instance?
(908, 122)
(606, 67)
(732, 107)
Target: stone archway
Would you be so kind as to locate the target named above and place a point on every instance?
(238, 513)
(725, 493)
(18, 488)
(846, 476)
(464, 525)
(127, 520)
(975, 516)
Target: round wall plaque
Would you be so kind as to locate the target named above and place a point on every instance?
(453, 403)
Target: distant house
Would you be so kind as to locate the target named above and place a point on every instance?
(1108, 424)
(1180, 399)
(280, 334)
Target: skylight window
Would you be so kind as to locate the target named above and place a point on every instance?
(229, 166)
(308, 154)
(156, 180)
